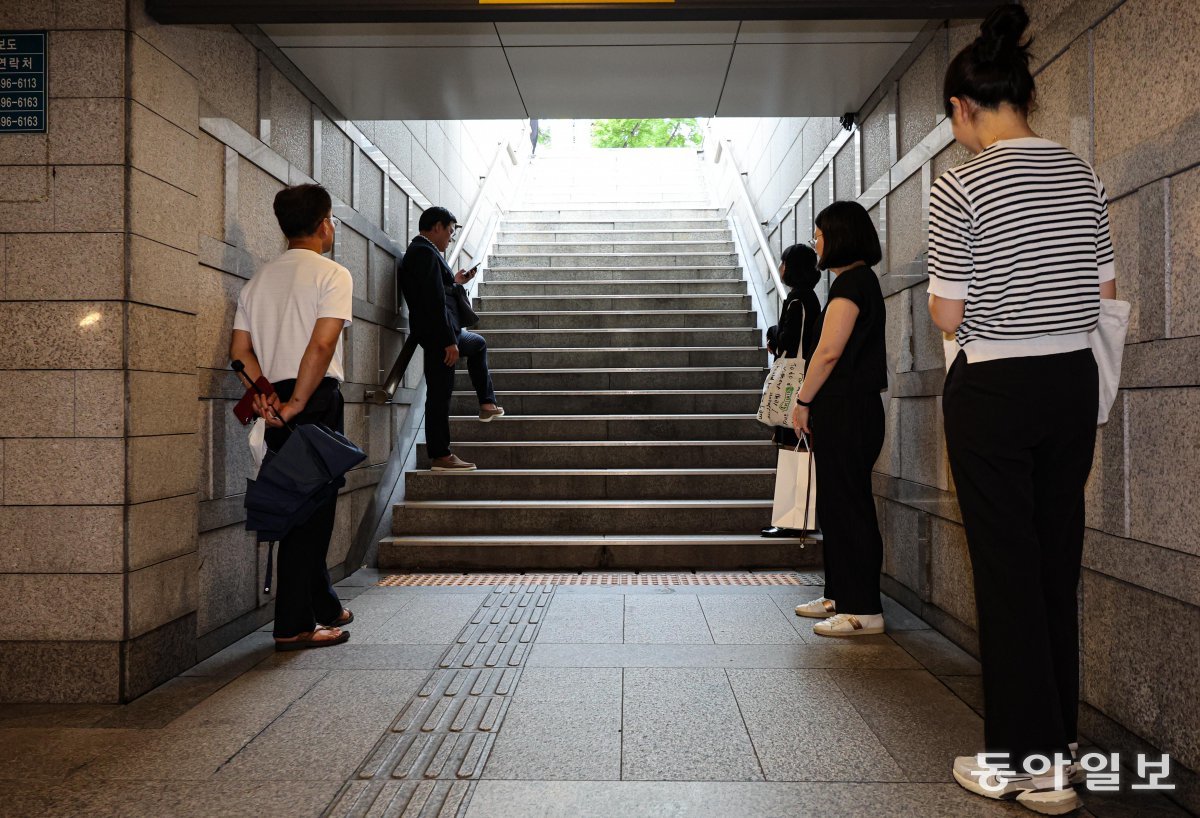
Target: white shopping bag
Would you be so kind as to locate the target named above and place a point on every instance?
(1107, 341)
(780, 390)
(795, 503)
(258, 442)
(950, 349)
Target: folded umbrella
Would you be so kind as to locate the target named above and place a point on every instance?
(292, 483)
(305, 473)
(311, 462)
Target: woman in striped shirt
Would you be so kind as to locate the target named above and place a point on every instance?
(1019, 257)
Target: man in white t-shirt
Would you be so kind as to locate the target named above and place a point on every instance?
(288, 328)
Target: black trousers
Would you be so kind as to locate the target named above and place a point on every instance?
(847, 436)
(1020, 434)
(439, 387)
(304, 594)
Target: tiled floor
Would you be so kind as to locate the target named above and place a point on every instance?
(479, 702)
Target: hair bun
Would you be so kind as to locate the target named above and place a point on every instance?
(1000, 34)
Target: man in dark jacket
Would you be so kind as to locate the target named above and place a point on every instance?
(432, 293)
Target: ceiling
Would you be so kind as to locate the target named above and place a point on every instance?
(569, 70)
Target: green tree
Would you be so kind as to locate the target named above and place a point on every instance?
(645, 133)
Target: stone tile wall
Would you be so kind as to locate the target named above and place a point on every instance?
(126, 234)
(67, 458)
(1110, 75)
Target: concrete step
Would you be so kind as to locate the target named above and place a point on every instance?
(590, 192)
(575, 236)
(630, 202)
(501, 517)
(664, 287)
(568, 552)
(616, 259)
(534, 248)
(616, 319)
(614, 454)
(615, 274)
(614, 402)
(610, 303)
(609, 427)
(625, 357)
(577, 224)
(628, 212)
(669, 337)
(600, 484)
(524, 380)
(566, 190)
(627, 204)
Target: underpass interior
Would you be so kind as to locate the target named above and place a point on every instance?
(624, 294)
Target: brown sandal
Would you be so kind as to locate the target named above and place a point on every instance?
(304, 641)
(342, 621)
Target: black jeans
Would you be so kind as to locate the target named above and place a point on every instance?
(304, 594)
(1020, 434)
(847, 436)
(439, 383)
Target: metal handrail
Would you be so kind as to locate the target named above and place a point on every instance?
(395, 375)
(748, 203)
(473, 216)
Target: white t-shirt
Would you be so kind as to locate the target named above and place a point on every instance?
(280, 306)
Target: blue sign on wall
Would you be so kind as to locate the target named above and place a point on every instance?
(23, 82)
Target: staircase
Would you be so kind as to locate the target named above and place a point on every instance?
(625, 350)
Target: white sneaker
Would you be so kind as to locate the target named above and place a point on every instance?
(1048, 794)
(819, 608)
(850, 625)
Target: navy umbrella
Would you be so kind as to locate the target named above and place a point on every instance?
(295, 481)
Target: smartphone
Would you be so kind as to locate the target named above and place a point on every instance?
(471, 273)
(244, 409)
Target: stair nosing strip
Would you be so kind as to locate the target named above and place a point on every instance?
(623, 349)
(564, 393)
(703, 415)
(624, 443)
(509, 313)
(620, 329)
(629, 370)
(596, 503)
(498, 539)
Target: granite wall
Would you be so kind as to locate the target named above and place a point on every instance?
(126, 233)
(1114, 81)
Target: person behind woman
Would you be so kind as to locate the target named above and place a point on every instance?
(1019, 258)
(795, 336)
(840, 406)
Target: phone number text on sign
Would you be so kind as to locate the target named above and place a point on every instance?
(24, 121)
(22, 103)
(29, 83)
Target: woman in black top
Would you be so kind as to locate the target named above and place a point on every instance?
(799, 320)
(840, 407)
(795, 336)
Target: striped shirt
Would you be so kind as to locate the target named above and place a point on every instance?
(1020, 233)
